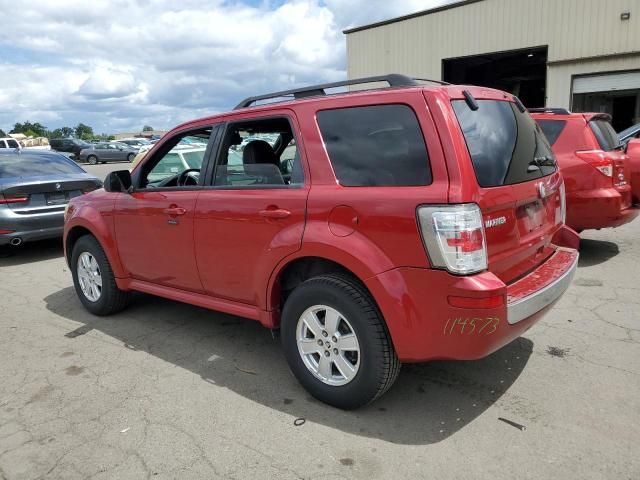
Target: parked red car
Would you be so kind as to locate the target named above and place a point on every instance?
(595, 168)
(633, 151)
(376, 227)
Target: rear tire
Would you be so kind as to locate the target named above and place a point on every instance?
(130, 157)
(92, 159)
(93, 278)
(372, 365)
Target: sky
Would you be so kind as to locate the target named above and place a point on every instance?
(121, 64)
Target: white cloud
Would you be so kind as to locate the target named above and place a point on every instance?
(124, 63)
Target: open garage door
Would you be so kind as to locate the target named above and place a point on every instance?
(617, 94)
(521, 72)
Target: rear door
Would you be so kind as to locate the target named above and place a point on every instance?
(519, 186)
(248, 217)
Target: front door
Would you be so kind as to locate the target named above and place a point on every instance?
(252, 214)
(154, 224)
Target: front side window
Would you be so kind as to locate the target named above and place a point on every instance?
(13, 144)
(259, 153)
(380, 145)
(178, 162)
(506, 145)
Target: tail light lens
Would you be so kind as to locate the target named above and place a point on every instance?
(454, 237)
(561, 210)
(14, 198)
(598, 160)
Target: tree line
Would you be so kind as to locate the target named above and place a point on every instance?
(81, 131)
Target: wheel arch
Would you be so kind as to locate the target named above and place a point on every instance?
(293, 272)
(101, 232)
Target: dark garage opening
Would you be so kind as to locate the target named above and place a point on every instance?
(520, 72)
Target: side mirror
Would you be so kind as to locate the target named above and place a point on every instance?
(118, 181)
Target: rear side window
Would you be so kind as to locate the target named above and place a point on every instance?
(506, 146)
(605, 134)
(32, 166)
(379, 145)
(552, 129)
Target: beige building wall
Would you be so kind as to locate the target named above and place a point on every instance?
(559, 76)
(577, 32)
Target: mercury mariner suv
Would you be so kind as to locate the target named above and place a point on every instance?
(408, 223)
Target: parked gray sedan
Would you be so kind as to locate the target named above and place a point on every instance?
(35, 187)
(108, 152)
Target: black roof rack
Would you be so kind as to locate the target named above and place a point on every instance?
(555, 111)
(394, 80)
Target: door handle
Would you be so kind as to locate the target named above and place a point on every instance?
(174, 211)
(277, 213)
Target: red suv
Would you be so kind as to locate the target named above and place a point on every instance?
(595, 168)
(400, 224)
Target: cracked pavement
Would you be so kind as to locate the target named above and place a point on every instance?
(167, 390)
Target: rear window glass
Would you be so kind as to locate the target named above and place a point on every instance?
(605, 134)
(552, 129)
(379, 145)
(35, 165)
(506, 145)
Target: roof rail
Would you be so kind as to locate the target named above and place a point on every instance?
(555, 111)
(394, 80)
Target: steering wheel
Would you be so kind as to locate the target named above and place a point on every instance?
(185, 179)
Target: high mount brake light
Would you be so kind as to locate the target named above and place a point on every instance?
(454, 237)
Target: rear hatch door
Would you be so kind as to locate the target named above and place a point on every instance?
(518, 184)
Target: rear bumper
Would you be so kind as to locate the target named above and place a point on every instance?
(425, 326)
(30, 227)
(599, 208)
(525, 297)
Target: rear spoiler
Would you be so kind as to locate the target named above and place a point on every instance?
(597, 116)
(555, 111)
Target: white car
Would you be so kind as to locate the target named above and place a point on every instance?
(179, 159)
(8, 142)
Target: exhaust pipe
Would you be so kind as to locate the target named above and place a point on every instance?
(15, 241)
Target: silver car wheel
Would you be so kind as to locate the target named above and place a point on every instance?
(328, 345)
(89, 276)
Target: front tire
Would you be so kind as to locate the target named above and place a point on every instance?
(336, 342)
(93, 278)
(92, 159)
(130, 157)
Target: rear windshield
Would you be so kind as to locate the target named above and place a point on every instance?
(35, 165)
(552, 129)
(605, 134)
(505, 144)
(380, 145)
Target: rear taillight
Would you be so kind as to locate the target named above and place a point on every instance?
(14, 198)
(454, 237)
(598, 160)
(561, 209)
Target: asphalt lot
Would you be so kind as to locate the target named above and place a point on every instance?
(167, 390)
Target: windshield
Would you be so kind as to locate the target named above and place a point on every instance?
(505, 144)
(633, 130)
(36, 165)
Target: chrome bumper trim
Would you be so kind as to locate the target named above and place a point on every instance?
(527, 306)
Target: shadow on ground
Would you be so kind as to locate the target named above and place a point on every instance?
(30, 252)
(595, 252)
(428, 403)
